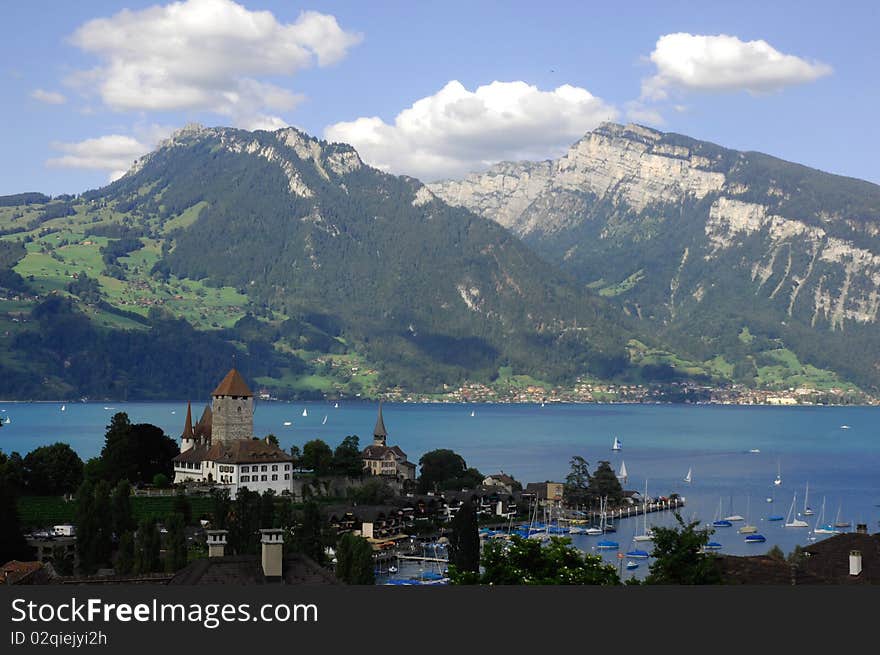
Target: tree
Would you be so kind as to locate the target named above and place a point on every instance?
(577, 482)
(272, 439)
(53, 470)
(103, 523)
(136, 453)
(176, 555)
(372, 492)
(182, 506)
(86, 528)
(147, 548)
(13, 545)
(220, 506)
(776, 553)
(440, 469)
(267, 509)
(354, 560)
(296, 455)
(604, 483)
(244, 522)
(678, 556)
(317, 457)
(125, 554)
(120, 507)
(527, 562)
(347, 458)
(308, 537)
(160, 480)
(464, 545)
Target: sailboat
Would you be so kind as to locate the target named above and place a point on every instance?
(336, 406)
(647, 535)
(324, 422)
(823, 528)
(732, 516)
(305, 412)
(792, 521)
(287, 424)
(720, 522)
(8, 420)
(748, 528)
(64, 408)
(690, 476)
(778, 480)
(807, 510)
(837, 522)
(472, 413)
(622, 475)
(616, 445)
(755, 539)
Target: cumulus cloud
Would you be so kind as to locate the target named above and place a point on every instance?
(205, 55)
(49, 97)
(113, 153)
(456, 131)
(724, 63)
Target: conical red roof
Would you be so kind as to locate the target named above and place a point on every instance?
(233, 385)
(188, 426)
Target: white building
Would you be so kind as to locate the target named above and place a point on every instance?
(221, 448)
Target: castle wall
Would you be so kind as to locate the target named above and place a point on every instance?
(233, 418)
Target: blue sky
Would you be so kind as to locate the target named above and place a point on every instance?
(82, 98)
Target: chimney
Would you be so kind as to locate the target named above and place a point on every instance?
(862, 528)
(216, 542)
(855, 562)
(272, 541)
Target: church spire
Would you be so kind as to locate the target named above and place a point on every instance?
(379, 432)
(188, 426)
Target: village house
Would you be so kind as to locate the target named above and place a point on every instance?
(221, 447)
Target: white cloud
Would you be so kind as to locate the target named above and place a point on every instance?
(456, 131)
(724, 63)
(49, 97)
(113, 153)
(205, 55)
(638, 112)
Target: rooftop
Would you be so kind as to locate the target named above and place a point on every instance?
(233, 385)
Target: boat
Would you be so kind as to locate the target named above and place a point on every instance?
(64, 408)
(392, 569)
(7, 421)
(720, 522)
(287, 424)
(592, 531)
(690, 476)
(747, 528)
(755, 450)
(305, 412)
(775, 517)
(617, 445)
(844, 427)
(622, 475)
(821, 527)
(472, 413)
(638, 553)
(607, 545)
(733, 517)
(755, 539)
(807, 509)
(324, 421)
(336, 406)
(778, 480)
(792, 521)
(630, 565)
(647, 535)
(838, 523)
(712, 545)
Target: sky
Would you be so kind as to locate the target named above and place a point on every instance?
(433, 90)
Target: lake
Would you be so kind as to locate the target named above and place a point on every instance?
(809, 445)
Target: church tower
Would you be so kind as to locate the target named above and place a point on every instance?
(232, 410)
(379, 432)
(188, 438)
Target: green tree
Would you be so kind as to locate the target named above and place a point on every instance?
(296, 455)
(125, 554)
(527, 562)
(309, 535)
(347, 458)
(317, 457)
(13, 545)
(244, 522)
(175, 551)
(374, 491)
(354, 561)
(679, 558)
(161, 480)
(182, 506)
(604, 484)
(147, 548)
(220, 507)
(86, 527)
(121, 511)
(53, 470)
(576, 489)
(464, 545)
(136, 453)
(103, 523)
(440, 469)
(776, 553)
(267, 509)
(272, 439)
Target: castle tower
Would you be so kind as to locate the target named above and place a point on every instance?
(379, 432)
(188, 438)
(232, 411)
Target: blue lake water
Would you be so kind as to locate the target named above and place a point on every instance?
(534, 443)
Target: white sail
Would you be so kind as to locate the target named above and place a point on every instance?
(793, 521)
(690, 476)
(305, 412)
(324, 421)
(622, 475)
(616, 445)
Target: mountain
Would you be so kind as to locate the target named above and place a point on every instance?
(321, 273)
(763, 270)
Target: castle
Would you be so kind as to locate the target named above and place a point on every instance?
(221, 447)
(381, 459)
